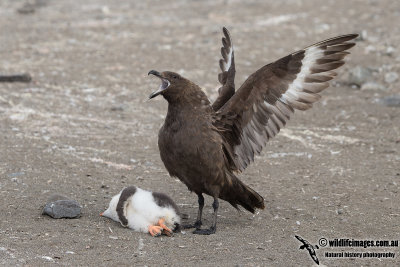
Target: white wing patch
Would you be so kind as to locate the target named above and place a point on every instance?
(227, 65)
(269, 118)
(296, 92)
(226, 51)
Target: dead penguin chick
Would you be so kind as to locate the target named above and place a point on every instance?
(144, 211)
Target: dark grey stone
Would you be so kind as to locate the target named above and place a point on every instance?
(59, 206)
(390, 101)
(118, 108)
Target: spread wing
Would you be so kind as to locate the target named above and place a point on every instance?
(314, 257)
(300, 239)
(227, 75)
(267, 99)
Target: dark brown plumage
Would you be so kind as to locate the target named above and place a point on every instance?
(204, 145)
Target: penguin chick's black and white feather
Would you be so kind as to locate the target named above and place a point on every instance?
(144, 211)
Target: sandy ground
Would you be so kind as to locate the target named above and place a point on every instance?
(84, 128)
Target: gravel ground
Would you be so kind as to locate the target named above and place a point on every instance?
(84, 128)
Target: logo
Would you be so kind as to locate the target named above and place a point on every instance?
(311, 249)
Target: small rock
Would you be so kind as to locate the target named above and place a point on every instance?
(339, 211)
(24, 77)
(59, 206)
(372, 86)
(390, 50)
(118, 108)
(47, 258)
(140, 245)
(30, 6)
(391, 77)
(105, 10)
(26, 9)
(358, 76)
(15, 174)
(370, 49)
(363, 36)
(390, 101)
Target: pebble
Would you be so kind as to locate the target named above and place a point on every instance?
(391, 77)
(26, 9)
(390, 101)
(370, 49)
(140, 245)
(47, 258)
(372, 86)
(390, 50)
(118, 107)
(15, 174)
(363, 36)
(358, 76)
(59, 206)
(105, 10)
